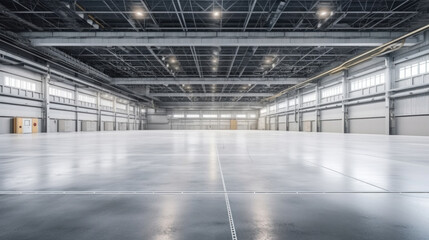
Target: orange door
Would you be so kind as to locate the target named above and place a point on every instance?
(17, 125)
(233, 125)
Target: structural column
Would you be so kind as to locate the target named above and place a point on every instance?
(344, 115)
(389, 103)
(298, 110)
(135, 117)
(46, 102)
(98, 111)
(114, 114)
(287, 112)
(76, 93)
(128, 116)
(276, 116)
(318, 123)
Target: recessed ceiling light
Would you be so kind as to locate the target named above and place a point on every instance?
(214, 60)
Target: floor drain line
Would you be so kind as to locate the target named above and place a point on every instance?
(228, 206)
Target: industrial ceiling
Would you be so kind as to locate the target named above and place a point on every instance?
(198, 51)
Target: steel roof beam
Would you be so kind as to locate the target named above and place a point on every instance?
(254, 39)
(205, 105)
(223, 12)
(189, 81)
(211, 94)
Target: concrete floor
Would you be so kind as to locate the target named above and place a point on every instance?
(181, 184)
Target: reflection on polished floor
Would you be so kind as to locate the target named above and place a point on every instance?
(181, 184)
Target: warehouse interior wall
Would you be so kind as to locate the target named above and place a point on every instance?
(162, 119)
(71, 108)
(386, 95)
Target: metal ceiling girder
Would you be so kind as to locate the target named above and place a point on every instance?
(260, 39)
(207, 105)
(190, 81)
(236, 94)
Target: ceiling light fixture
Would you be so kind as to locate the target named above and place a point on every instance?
(324, 13)
(216, 14)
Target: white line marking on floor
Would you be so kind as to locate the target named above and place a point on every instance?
(199, 192)
(228, 206)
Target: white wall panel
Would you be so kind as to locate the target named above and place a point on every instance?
(293, 126)
(60, 114)
(331, 126)
(19, 111)
(368, 126)
(369, 110)
(261, 123)
(414, 105)
(88, 126)
(66, 125)
(87, 117)
(416, 125)
(108, 126)
(334, 113)
(307, 126)
(309, 116)
(6, 125)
